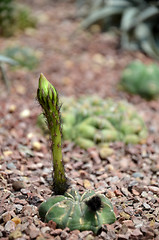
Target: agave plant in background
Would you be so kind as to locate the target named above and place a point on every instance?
(142, 79)
(137, 21)
(24, 56)
(67, 207)
(6, 60)
(90, 121)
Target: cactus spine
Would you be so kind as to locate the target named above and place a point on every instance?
(48, 98)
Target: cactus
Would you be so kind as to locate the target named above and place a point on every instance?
(136, 21)
(138, 78)
(89, 121)
(67, 207)
(86, 212)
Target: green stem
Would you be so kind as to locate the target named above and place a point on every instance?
(48, 99)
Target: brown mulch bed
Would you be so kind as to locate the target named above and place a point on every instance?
(76, 63)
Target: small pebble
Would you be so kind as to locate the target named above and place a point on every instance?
(1, 231)
(18, 208)
(136, 233)
(11, 166)
(64, 235)
(18, 185)
(104, 152)
(36, 146)
(154, 189)
(146, 206)
(128, 223)
(7, 153)
(33, 231)
(56, 232)
(138, 175)
(144, 194)
(6, 217)
(136, 193)
(45, 230)
(16, 220)
(9, 226)
(25, 113)
(12, 108)
(125, 215)
(73, 237)
(87, 184)
(24, 191)
(15, 234)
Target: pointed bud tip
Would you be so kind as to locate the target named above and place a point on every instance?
(46, 88)
(43, 84)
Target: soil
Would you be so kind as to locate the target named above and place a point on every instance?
(77, 63)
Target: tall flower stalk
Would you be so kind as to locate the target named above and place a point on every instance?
(48, 99)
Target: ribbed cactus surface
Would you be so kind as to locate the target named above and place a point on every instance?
(87, 212)
(138, 78)
(90, 121)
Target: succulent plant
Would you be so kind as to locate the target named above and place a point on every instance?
(24, 56)
(90, 121)
(87, 212)
(142, 79)
(67, 207)
(6, 60)
(137, 21)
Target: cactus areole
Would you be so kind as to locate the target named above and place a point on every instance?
(67, 207)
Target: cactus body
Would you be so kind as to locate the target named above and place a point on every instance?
(95, 120)
(86, 212)
(84, 143)
(138, 78)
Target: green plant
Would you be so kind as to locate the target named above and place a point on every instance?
(137, 21)
(142, 79)
(14, 17)
(6, 60)
(90, 121)
(67, 208)
(6, 16)
(25, 56)
(24, 17)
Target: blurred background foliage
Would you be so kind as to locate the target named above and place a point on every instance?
(24, 56)
(136, 21)
(142, 79)
(92, 121)
(14, 17)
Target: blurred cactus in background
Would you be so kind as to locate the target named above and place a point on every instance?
(14, 17)
(136, 20)
(138, 78)
(24, 56)
(90, 121)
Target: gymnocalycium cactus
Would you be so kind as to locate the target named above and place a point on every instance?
(67, 207)
(142, 79)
